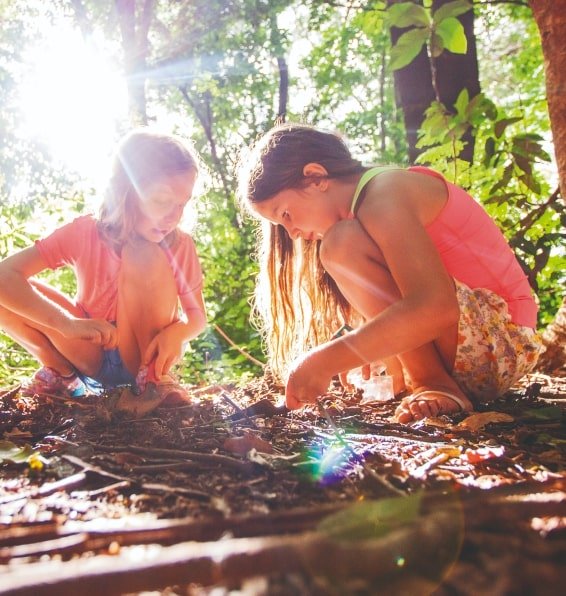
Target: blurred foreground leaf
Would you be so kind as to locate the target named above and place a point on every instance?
(372, 519)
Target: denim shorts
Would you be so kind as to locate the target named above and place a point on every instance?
(112, 373)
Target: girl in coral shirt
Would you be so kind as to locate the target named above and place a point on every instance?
(134, 268)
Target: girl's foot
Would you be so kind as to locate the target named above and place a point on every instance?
(399, 385)
(47, 381)
(428, 403)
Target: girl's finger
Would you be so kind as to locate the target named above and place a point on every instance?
(160, 366)
(168, 365)
(150, 352)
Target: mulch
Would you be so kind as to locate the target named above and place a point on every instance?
(233, 494)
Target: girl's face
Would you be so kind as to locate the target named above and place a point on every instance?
(303, 212)
(161, 206)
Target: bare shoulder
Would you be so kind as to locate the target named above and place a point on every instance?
(404, 191)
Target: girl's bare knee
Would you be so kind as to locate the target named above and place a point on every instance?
(145, 268)
(339, 242)
(147, 282)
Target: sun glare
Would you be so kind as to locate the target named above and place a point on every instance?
(72, 98)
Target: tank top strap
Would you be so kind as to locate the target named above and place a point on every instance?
(366, 177)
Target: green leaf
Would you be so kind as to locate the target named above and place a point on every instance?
(462, 102)
(452, 9)
(407, 48)
(527, 146)
(501, 125)
(531, 183)
(504, 180)
(372, 519)
(453, 35)
(523, 163)
(479, 107)
(489, 150)
(407, 14)
(371, 22)
(11, 452)
(546, 413)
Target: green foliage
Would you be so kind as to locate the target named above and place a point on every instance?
(354, 87)
(515, 193)
(509, 175)
(212, 68)
(225, 246)
(441, 30)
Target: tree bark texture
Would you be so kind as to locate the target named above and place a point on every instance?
(413, 92)
(553, 359)
(283, 88)
(457, 72)
(415, 87)
(550, 16)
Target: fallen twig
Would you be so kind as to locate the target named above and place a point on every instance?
(238, 409)
(381, 480)
(213, 458)
(230, 561)
(47, 489)
(197, 494)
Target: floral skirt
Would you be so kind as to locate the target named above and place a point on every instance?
(493, 352)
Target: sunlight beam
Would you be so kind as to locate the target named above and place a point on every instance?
(72, 99)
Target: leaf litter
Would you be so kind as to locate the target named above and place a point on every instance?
(238, 463)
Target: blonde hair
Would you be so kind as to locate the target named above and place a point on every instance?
(143, 157)
(297, 305)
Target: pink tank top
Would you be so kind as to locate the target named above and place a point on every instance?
(473, 249)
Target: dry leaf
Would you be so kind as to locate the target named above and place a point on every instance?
(242, 445)
(478, 421)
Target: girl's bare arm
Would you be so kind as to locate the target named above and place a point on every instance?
(18, 295)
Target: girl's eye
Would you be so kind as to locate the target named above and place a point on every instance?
(285, 215)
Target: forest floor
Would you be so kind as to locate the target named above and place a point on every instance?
(233, 494)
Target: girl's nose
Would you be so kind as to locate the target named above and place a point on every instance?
(294, 233)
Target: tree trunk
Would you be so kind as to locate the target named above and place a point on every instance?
(553, 359)
(550, 16)
(457, 72)
(135, 45)
(413, 91)
(414, 88)
(283, 88)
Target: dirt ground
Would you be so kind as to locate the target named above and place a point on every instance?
(232, 494)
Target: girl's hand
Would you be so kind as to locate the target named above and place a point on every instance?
(97, 331)
(307, 381)
(343, 376)
(167, 348)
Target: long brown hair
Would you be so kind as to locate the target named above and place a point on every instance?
(143, 157)
(297, 305)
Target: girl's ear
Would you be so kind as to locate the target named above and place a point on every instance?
(317, 174)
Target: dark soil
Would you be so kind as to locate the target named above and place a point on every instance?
(234, 495)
